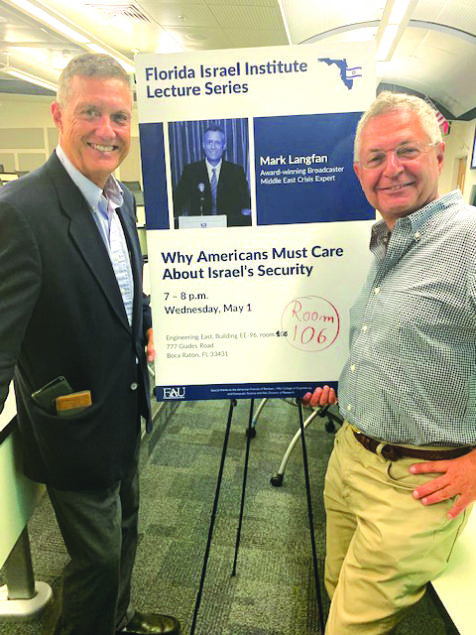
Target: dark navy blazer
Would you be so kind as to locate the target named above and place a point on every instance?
(62, 314)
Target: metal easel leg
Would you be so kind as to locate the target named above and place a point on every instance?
(213, 516)
(311, 520)
(243, 491)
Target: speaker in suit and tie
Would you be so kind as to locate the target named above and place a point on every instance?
(213, 185)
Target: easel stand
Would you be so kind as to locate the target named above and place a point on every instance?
(249, 436)
(213, 516)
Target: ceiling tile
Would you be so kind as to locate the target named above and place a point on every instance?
(247, 17)
(459, 14)
(425, 61)
(256, 37)
(428, 9)
(151, 5)
(307, 18)
(202, 38)
(180, 14)
(243, 3)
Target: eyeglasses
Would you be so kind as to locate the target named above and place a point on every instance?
(404, 153)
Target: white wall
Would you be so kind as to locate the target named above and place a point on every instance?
(459, 144)
(28, 136)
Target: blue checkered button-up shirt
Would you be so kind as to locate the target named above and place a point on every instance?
(411, 374)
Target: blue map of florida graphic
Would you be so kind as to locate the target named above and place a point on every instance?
(347, 74)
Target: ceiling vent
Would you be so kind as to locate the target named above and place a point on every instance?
(119, 10)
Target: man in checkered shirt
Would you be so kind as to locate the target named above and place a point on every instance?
(402, 476)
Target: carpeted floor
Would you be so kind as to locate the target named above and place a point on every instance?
(273, 591)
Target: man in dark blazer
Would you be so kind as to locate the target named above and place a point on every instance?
(213, 185)
(73, 307)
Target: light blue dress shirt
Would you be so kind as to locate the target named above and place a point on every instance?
(103, 205)
(411, 374)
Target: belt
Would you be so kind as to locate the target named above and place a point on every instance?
(395, 452)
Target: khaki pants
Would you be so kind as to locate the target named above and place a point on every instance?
(383, 546)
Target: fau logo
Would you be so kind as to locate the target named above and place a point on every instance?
(174, 393)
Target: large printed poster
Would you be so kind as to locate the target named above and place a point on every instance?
(257, 226)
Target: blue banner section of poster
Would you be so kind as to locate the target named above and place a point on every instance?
(304, 170)
(268, 390)
(154, 175)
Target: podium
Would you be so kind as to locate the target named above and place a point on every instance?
(202, 222)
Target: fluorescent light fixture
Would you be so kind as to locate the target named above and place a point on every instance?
(169, 43)
(32, 79)
(386, 42)
(50, 20)
(62, 26)
(398, 11)
(394, 21)
(58, 60)
(285, 22)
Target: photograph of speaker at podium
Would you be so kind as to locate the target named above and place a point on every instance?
(209, 165)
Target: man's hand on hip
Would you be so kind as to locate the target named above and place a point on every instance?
(458, 478)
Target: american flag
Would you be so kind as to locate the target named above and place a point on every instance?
(442, 121)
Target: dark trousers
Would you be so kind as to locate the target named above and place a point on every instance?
(99, 528)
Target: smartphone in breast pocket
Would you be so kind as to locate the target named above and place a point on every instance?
(46, 395)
